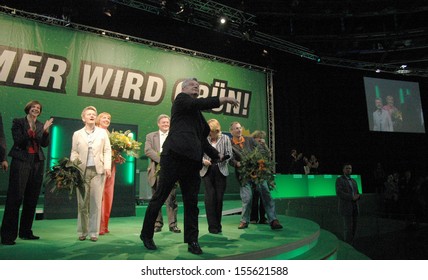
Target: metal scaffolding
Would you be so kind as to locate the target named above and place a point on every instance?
(243, 25)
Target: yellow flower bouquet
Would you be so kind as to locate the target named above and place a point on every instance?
(122, 143)
(257, 167)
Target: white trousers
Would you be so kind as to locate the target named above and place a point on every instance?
(89, 206)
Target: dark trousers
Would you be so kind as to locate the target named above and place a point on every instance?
(25, 182)
(176, 168)
(215, 186)
(257, 207)
(350, 226)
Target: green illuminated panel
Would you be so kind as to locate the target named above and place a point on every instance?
(292, 186)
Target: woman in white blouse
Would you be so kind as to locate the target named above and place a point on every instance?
(91, 146)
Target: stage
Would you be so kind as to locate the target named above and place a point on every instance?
(300, 239)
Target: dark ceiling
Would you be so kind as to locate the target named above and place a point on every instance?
(384, 33)
(381, 31)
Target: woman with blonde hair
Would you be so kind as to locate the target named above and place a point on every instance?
(103, 120)
(91, 147)
(214, 175)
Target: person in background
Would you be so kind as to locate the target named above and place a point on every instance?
(3, 159)
(91, 147)
(296, 165)
(313, 165)
(26, 174)
(153, 149)
(242, 144)
(181, 160)
(381, 118)
(258, 212)
(214, 175)
(306, 166)
(103, 120)
(348, 197)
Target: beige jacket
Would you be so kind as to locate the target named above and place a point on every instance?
(101, 149)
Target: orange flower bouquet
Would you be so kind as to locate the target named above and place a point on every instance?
(257, 167)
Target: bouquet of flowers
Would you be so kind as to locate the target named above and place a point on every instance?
(257, 167)
(397, 119)
(65, 176)
(122, 143)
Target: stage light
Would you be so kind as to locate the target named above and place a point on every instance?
(222, 20)
(403, 70)
(109, 9)
(172, 6)
(247, 32)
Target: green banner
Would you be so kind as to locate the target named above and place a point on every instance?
(67, 69)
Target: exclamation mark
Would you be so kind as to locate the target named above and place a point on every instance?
(244, 104)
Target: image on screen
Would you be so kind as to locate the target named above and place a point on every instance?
(393, 106)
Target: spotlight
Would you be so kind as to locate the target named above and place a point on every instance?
(109, 10)
(222, 20)
(403, 70)
(172, 6)
(246, 31)
(221, 23)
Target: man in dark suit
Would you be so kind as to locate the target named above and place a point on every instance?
(181, 160)
(3, 159)
(348, 196)
(152, 149)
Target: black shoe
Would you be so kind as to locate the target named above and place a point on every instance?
(175, 229)
(214, 231)
(148, 243)
(158, 229)
(29, 237)
(194, 248)
(275, 225)
(8, 242)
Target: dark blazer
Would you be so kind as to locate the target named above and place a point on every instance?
(21, 139)
(2, 142)
(344, 193)
(188, 132)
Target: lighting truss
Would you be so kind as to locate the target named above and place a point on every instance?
(204, 11)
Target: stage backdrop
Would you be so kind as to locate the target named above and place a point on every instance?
(67, 70)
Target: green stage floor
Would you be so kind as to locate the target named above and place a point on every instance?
(59, 241)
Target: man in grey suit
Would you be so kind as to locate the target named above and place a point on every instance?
(348, 196)
(152, 149)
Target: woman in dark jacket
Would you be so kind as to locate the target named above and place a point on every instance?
(26, 174)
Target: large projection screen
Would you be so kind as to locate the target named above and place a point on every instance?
(393, 106)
